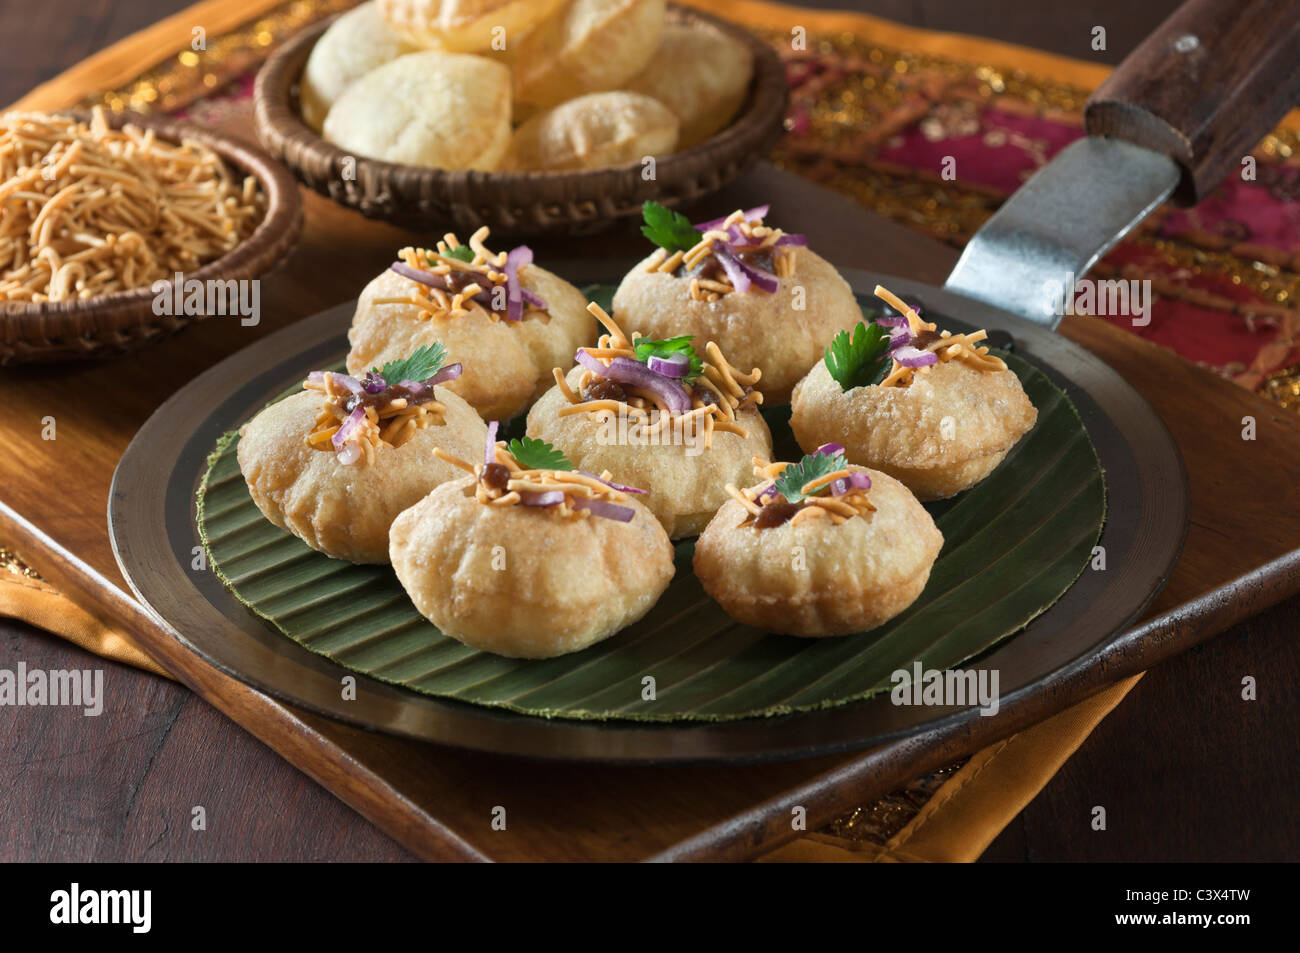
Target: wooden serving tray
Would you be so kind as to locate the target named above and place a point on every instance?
(1240, 557)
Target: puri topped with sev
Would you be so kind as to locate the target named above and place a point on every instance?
(527, 556)
(659, 414)
(506, 319)
(760, 293)
(817, 548)
(336, 462)
(937, 410)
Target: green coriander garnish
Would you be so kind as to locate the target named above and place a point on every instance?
(860, 360)
(671, 231)
(534, 454)
(646, 349)
(420, 366)
(814, 465)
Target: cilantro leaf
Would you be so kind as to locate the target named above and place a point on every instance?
(671, 231)
(460, 253)
(792, 479)
(534, 454)
(420, 366)
(646, 349)
(860, 360)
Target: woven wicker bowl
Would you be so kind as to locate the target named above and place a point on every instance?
(514, 202)
(115, 324)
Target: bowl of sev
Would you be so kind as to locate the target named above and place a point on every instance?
(516, 202)
(98, 211)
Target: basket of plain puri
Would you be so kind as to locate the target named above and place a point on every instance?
(551, 115)
(102, 216)
(640, 427)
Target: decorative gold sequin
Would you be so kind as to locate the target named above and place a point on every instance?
(11, 563)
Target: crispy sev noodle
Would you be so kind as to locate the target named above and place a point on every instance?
(711, 287)
(574, 485)
(86, 210)
(838, 509)
(388, 421)
(486, 271)
(717, 395)
(947, 346)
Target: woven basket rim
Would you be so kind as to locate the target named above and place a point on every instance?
(278, 122)
(269, 242)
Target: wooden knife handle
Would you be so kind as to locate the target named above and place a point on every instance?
(1211, 82)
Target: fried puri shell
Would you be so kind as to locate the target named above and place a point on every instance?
(345, 511)
(527, 582)
(506, 364)
(592, 45)
(465, 26)
(355, 43)
(814, 578)
(685, 487)
(939, 435)
(437, 110)
(701, 74)
(595, 131)
(753, 328)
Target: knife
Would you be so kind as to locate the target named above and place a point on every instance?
(1178, 114)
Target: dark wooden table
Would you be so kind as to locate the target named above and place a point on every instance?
(1185, 768)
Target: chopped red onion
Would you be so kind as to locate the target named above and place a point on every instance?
(351, 383)
(829, 449)
(374, 383)
(899, 337)
(448, 373)
(349, 455)
(675, 365)
(731, 265)
(856, 480)
(517, 256)
(891, 321)
(624, 370)
(617, 486)
(910, 356)
(489, 452)
(345, 432)
(765, 280)
(541, 498)
(610, 511)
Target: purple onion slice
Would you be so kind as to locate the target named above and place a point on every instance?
(829, 449)
(758, 211)
(622, 488)
(541, 498)
(489, 451)
(675, 365)
(603, 508)
(910, 356)
(624, 370)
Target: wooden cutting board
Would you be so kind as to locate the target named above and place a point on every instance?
(1241, 555)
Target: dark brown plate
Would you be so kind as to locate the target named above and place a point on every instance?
(151, 521)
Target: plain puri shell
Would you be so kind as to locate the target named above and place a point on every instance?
(753, 328)
(939, 435)
(507, 364)
(466, 26)
(357, 42)
(595, 131)
(701, 74)
(345, 511)
(686, 484)
(436, 110)
(592, 45)
(814, 578)
(527, 582)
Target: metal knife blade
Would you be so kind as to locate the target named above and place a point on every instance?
(1056, 226)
